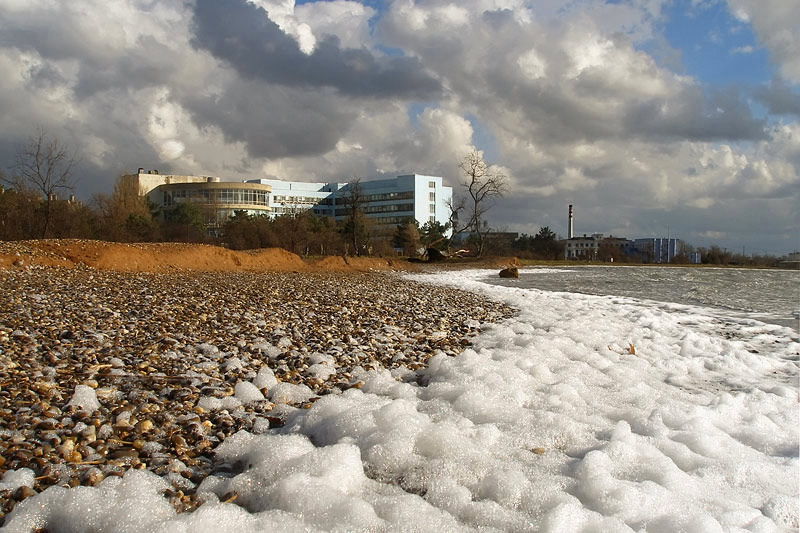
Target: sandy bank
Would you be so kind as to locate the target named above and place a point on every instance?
(176, 257)
(170, 257)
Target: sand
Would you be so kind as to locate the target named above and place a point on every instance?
(181, 257)
(172, 257)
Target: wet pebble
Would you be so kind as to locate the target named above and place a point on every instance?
(162, 355)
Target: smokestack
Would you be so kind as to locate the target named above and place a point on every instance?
(570, 222)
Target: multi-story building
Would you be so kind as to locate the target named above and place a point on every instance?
(218, 199)
(388, 201)
(652, 250)
(658, 249)
(582, 247)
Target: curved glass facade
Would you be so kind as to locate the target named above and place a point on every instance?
(215, 196)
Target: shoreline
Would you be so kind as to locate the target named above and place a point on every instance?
(524, 419)
(180, 361)
(182, 257)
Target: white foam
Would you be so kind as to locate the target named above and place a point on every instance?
(246, 392)
(211, 403)
(582, 413)
(14, 479)
(289, 393)
(84, 399)
(265, 378)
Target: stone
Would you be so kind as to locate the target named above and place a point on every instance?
(118, 378)
(510, 272)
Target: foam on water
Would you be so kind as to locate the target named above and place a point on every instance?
(583, 413)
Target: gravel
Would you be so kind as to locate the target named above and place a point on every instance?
(104, 371)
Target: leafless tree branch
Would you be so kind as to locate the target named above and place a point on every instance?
(483, 185)
(44, 165)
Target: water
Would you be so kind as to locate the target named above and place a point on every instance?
(771, 296)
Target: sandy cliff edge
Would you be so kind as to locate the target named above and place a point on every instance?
(172, 257)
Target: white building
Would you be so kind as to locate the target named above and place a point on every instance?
(388, 201)
(582, 247)
(217, 199)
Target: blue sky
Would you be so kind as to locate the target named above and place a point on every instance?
(643, 114)
(715, 46)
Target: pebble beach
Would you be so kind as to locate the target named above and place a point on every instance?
(102, 372)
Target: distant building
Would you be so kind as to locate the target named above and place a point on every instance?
(582, 247)
(597, 247)
(291, 197)
(651, 250)
(217, 199)
(658, 250)
(392, 201)
(792, 261)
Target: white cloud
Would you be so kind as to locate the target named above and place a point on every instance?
(282, 12)
(347, 20)
(775, 23)
(572, 105)
(532, 64)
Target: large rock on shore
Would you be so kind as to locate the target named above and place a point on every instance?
(509, 272)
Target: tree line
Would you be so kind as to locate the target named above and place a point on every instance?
(35, 203)
(126, 216)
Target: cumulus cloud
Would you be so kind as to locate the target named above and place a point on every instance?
(779, 98)
(347, 20)
(245, 37)
(576, 100)
(775, 23)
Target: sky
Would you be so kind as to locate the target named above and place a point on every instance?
(651, 117)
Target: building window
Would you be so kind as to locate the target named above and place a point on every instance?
(432, 197)
(433, 208)
(432, 218)
(432, 184)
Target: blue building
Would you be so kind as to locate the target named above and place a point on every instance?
(658, 249)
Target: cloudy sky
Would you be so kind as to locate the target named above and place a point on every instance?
(650, 116)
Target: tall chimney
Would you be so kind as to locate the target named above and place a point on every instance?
(570, 223)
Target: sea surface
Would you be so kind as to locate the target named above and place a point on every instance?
(771, 296)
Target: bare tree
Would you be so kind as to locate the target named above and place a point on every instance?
(482, 185)
(44, 165)
(355, 225)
